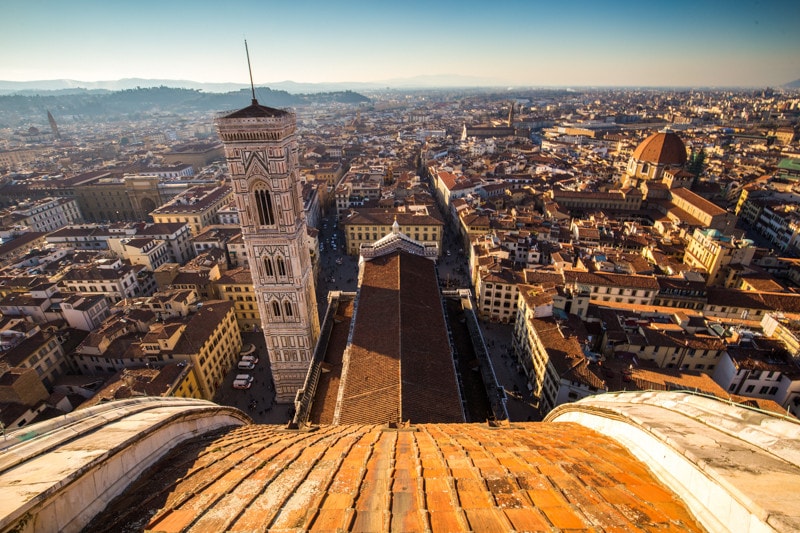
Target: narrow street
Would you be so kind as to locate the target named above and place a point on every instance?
(258, 400)
(498, 341)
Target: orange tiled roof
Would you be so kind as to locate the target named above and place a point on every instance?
(661, 148)
(439, 477)
(394, 373)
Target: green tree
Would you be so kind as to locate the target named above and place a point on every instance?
(697, 162)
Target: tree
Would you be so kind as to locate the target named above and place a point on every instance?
(697, 162)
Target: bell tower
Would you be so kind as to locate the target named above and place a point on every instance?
(261, 152)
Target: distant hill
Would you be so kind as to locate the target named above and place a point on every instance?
(84, 104)
(793, 84)
(416, 82)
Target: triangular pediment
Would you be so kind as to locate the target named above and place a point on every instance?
(254, 163)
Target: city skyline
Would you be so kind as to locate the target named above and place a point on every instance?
(512, 43)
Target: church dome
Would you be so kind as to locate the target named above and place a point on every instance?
(662, 148)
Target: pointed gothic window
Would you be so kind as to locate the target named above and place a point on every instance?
(263, 200)
(287, 308)
(276, 308)
(268, 267)
(281, 266)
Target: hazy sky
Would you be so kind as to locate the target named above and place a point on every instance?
(530, 42)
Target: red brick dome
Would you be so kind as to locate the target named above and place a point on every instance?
(662, 148)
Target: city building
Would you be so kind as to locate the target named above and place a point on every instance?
(177, 236)
(84, 311)
(261, 151)
(713, 252)
(236, 285)
(215, 236)
(145, 251)
(208, 339)
(197, 154)
(22, 396)
(45, 215)
(761, 367)
(690, 208)
(173, 379)
(197, 207)
(366, 226)
(112, 198)
(39, 350)
(628, 199)
(110, 277)
(619, 288)
(557, 367)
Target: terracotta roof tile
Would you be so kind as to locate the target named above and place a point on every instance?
(406, 373)
(454, 477)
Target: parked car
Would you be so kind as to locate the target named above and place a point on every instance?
(242, 384)
(243, 377)
(246, 365)
(252, 358)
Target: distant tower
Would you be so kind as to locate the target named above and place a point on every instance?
(53, 125)
(511, 114)
(262, 153)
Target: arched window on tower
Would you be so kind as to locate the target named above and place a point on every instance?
(287, 308)
(263, 200)
(281, 266)
(268, 267)
(276, 308)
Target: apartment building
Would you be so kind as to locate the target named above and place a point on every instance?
(605, 287)
(215, 236)
(450, 186)
(669, 345)
(41, 351)
(681, 293)
(497, 293)
(22, 395)
(110, 277)
(164, 305)
(196, 207)
(176, 235)
(712, 251)
(552, 358)
(144, 251)
(208, 339)
(236, 286)
(44, 215)
(84, 311)
(761, 367)
(356, 190)
(81, 237)
(37, 303)
(786, 330)
(750, 305)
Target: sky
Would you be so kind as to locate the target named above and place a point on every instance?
(498, 42)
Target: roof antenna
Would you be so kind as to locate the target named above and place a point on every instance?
(250, 70)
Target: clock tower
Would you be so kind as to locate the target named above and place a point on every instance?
(261, 152)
